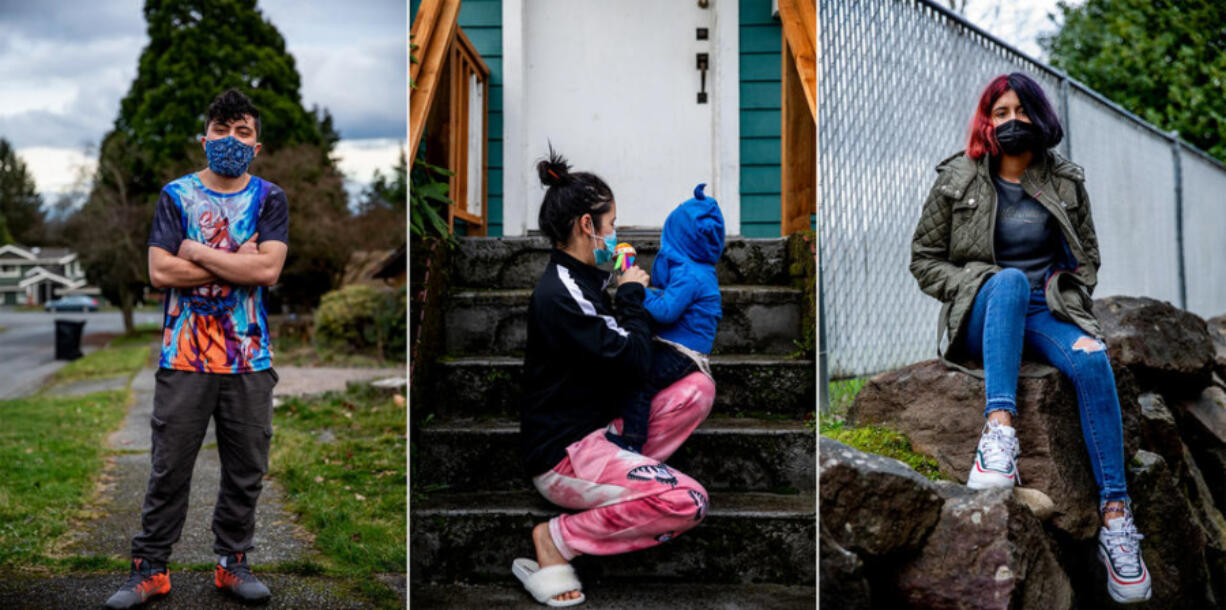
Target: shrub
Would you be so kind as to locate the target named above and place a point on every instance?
(361, 318)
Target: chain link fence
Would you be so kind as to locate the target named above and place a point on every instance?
(898, 82)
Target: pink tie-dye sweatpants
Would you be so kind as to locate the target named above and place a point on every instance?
(632, 501)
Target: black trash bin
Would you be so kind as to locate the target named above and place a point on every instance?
(68, 339)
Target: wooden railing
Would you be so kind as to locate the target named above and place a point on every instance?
(432, 32)
(799, 114)
(456, 130)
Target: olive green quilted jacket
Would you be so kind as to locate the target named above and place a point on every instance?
(952, 251)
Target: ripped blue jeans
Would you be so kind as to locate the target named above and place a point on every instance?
(1008, 317)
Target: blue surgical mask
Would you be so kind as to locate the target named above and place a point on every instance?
(228, 156)
(605, 254)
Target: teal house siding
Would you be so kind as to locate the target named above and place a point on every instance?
(760, 64)
(482, 23)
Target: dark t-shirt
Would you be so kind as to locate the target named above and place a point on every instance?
(1027, 236)
(217, 327)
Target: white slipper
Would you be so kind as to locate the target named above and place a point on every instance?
(544, 583)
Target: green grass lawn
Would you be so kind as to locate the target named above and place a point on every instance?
(349, 492)
(105, 362)
(51, 448)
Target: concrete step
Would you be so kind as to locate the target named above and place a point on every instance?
(517, 262)
(745, 384)
(745, 538)
(621, 596)
(757, 319)
(724, 453)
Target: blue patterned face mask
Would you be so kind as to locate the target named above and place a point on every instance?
(605, 254)
(228, 156)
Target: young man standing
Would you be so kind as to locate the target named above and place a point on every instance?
(219, 238)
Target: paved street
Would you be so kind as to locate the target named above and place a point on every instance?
(27, 346)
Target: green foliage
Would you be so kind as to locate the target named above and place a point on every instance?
(381, 213)
(50, 450)
(429, 198)
(360, 318)
(389, 191)
(882, 441)
(21, 213)
(413, 58)
(1163, 61)
(802, 268)
(389, 332)
(843, 392)
(350, 491)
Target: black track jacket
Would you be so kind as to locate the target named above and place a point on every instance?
(583, 359)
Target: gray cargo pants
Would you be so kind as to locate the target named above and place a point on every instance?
(183, 403)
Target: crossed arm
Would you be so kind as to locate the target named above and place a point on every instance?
(196, 264)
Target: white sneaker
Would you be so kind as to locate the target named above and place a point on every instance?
(1119, 550)
(996, 459)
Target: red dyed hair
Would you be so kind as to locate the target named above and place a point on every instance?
(982, 140)
(1039, 112)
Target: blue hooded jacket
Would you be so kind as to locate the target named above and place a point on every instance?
(684, 296)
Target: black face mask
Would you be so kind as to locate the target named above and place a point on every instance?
(1016, 137)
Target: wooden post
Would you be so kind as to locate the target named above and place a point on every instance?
(798, 135)
(798, 138)
(433, 31)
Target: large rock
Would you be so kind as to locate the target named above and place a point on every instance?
(1204, 430)
(873, 505)
(1217, 334)
(1160, 431)
(987, 551)
(1210, 519)
(1208, 413)
(841, 576)
(941, 413)
(1174, 544)
(1167, 348)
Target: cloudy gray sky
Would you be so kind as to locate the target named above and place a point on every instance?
(65, 65)
(1017, 22)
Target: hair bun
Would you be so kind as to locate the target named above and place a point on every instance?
(554, 170)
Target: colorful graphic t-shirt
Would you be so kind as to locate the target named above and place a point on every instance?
(218, 327)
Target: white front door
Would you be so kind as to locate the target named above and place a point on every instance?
(614, 86)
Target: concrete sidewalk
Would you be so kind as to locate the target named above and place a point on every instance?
(299, 380)
(189, 590)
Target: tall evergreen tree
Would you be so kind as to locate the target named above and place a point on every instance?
(5, 236)
(1163, 61)
(197, 50)
(21, 207)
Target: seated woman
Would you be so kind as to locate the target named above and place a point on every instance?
(1006, 241)
(583, 358)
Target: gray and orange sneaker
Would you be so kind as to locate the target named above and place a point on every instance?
(234, 575)
(995, 459)
(145, 582)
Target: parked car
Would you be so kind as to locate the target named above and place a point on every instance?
(72, 303)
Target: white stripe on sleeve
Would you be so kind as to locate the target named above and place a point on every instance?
(585, 305)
